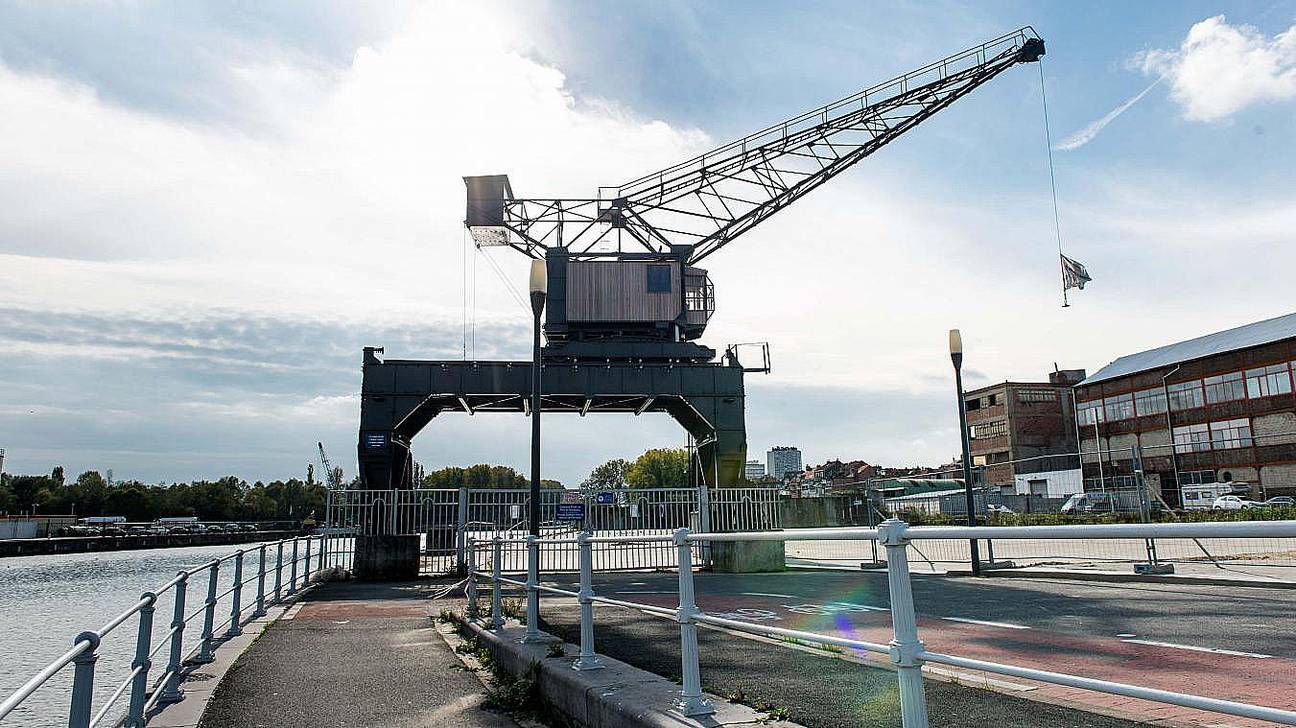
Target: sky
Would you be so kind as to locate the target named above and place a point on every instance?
(208, 208)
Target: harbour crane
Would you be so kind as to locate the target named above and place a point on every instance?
(627, 299)
(332, 476)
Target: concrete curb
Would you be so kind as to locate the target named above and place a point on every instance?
(1122, 577)
(617, 695)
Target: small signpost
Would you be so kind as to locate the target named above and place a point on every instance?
(572, 506)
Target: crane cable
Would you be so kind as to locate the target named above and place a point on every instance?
(1048, 146)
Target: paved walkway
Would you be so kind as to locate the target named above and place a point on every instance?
(352, 655)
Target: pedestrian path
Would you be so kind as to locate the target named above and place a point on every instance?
(352, 655)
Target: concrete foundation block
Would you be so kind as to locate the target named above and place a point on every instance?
(747, 557)
(387, 557)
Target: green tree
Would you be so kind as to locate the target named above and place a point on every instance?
(608, 476)
(659, 468)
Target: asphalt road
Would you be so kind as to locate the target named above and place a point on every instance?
(1229, 642)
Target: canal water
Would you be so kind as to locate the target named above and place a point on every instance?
(45, 601)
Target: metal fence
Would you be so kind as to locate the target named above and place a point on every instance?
(906, 651)
(446, 519)
(279, 570)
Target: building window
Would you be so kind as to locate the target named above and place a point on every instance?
(659, 279)
(1192, 438)
(992, 400)
(989, 429)
(1150, 402)
(1196, 477)
(1225, 388)
(1090, 413)
(1186, 395)
(973, 404)
(1268, 381)
(1120, 407)
(1037, 395)
(1230, 434)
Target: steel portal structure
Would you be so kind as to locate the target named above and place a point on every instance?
(400, 397)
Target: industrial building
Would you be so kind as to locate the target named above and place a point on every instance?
(782, 461)
(1013, 426)
(1225, 400)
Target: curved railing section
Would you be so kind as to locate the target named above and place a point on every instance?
(280, 570)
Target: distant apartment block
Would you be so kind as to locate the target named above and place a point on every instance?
(1012, 422)
(1224, 400)
(754, 470)
(782, 461)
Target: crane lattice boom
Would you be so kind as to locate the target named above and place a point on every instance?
(706, 202)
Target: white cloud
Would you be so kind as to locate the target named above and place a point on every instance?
(1087, 134)
(1220, 69)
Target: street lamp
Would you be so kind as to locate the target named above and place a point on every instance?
(956, 356)
(539, 288)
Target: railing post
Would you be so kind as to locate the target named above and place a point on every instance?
(292, 570)
(906, 648)
(461, 531)
(471, 610)
(83, 681)
(306, 563)
(209, 616)
(587, 660)
(278, 590)
(171, 691)
(143, 646)
(691, 702)
(497, 601)
(260, 610)
(532, 633)
(236, 601)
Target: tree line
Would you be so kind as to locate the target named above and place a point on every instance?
(665, 467)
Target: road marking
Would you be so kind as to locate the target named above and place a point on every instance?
(984, 623)
(1212, 650)
(647, 592)
(767, 594)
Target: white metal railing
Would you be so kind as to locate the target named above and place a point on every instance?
(906, 651)
(145, 694)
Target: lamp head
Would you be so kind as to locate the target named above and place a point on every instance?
(539, 278)
(956, 346)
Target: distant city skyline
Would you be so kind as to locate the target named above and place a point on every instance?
(206, 210)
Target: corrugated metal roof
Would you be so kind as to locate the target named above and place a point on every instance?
(1242, 337)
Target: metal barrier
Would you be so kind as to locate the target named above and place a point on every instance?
(166, 687)
(905, 650)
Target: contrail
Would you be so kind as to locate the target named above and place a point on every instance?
(1086, 135)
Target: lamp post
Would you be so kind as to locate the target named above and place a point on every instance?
(539, 289)
(956, 356)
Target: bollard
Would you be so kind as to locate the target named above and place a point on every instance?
(209, 616)
(236, 601)
(532, 634)
(171, 691)
(306, 564)
(143, 646)
(906, 648)
(260, 610)
(83, 681)
(471, 609)
(278, 592)
(587, 660)
(497, 601)
(691, 702)
(292, 570)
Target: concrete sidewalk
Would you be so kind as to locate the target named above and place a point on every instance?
(353, 655)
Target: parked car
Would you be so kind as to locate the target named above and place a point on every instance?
(1000, 510)
(1282, 501)
(1234, 503)
(249, 527)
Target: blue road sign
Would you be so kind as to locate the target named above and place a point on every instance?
(571, 511)
(606, 498)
